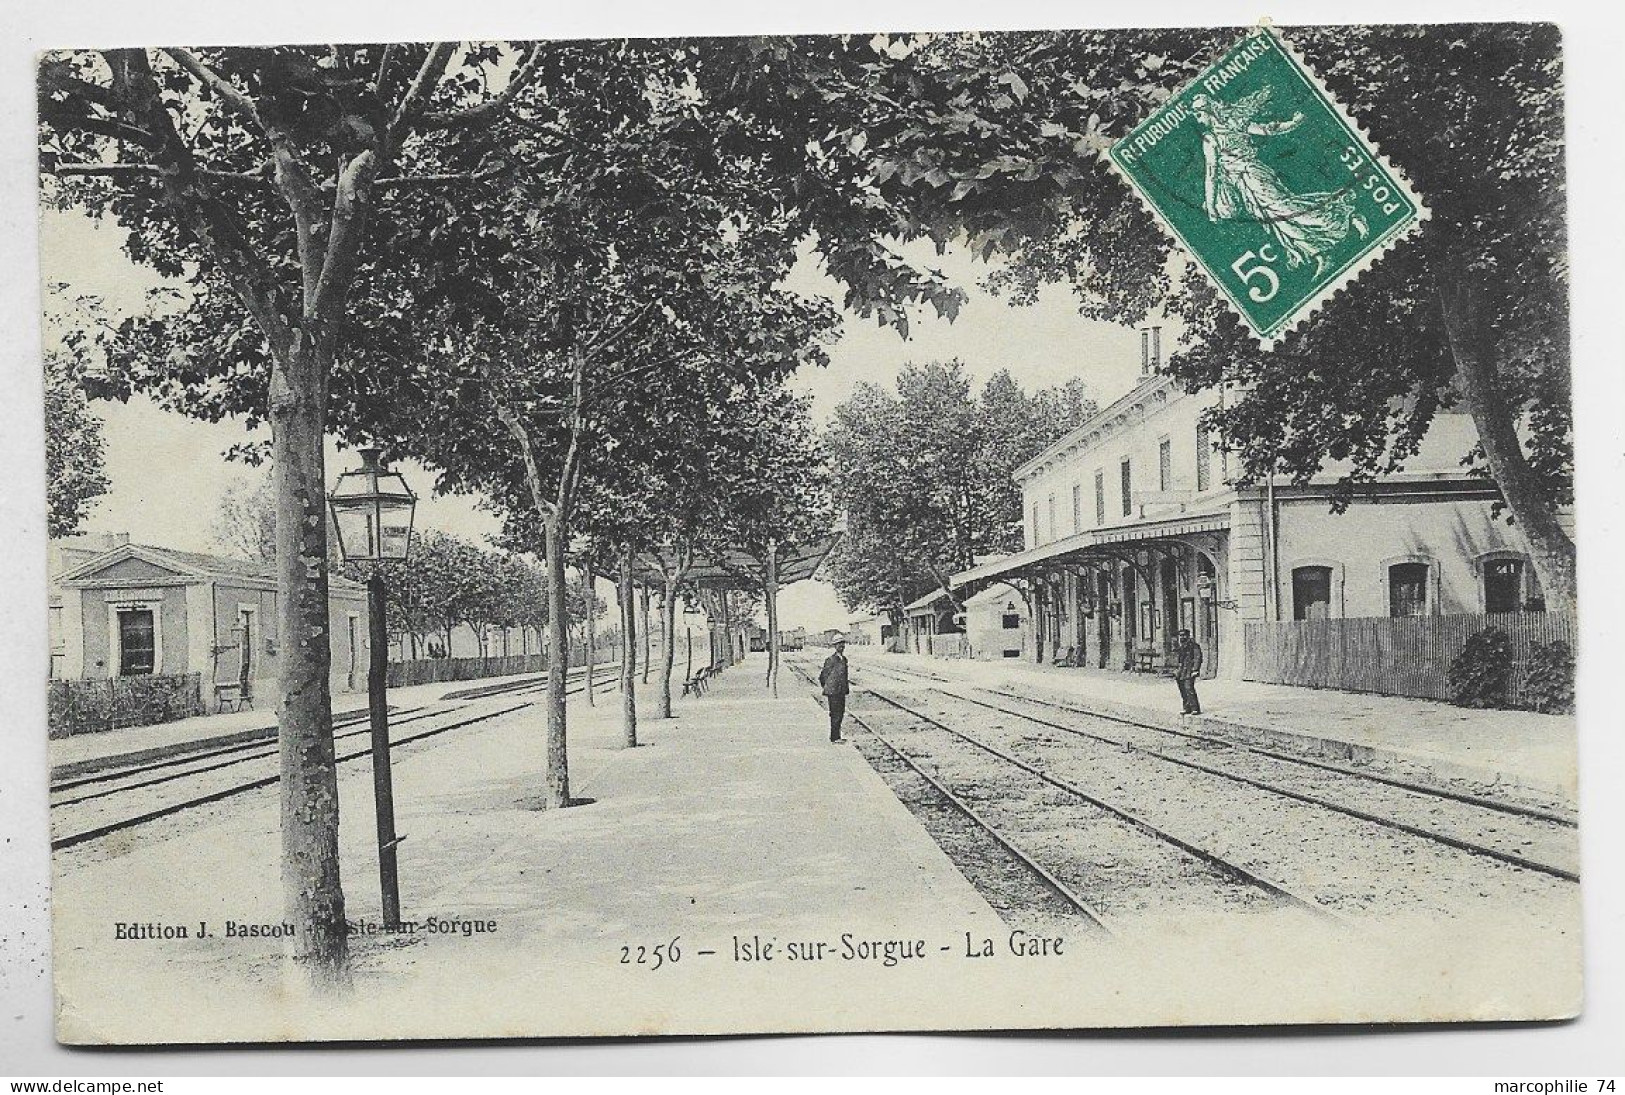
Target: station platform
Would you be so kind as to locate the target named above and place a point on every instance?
(736, 824)
(1520, 749)
(81, 753)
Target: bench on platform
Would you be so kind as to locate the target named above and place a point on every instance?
(232, 696)
(697, 684)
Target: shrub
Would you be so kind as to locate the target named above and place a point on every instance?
(1481, 674)
(86, 706)
(1548, 683)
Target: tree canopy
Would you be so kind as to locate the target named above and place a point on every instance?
(1005, 144)
(925, 476)
(75, 450)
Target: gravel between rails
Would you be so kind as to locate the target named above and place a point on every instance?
(1539, 843)
(1394, 770)
(1121, 870)
(1022, 898)
(1347, 865)
(198, 800)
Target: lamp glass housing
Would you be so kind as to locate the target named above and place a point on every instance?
(373, 510)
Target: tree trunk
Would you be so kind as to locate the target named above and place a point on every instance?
(313, 898)
(589, 631)
(668, 626)
(1472, 345)
(629, 658)
(772, 598)
(556, 794)
(643, 605)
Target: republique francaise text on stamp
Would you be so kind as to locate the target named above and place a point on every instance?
(1278, 196)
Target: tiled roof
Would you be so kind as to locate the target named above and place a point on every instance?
(227, 566)
(215, 564)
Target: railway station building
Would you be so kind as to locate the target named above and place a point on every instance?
(123, 610)
(1134, 530)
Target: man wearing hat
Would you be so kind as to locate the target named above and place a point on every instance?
(833, 680)
(1186, 670)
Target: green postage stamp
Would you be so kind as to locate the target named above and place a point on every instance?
(1276, 193)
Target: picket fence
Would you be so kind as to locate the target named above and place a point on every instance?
(1406, 656)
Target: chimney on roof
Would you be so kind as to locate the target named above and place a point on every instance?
(1150, 351)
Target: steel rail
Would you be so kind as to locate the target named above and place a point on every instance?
(252, 785)
(1065, 892)
(264, 735)
(258, 736)
(260, 755)
(1458, 843)
(1212, 859)
(1407, 785)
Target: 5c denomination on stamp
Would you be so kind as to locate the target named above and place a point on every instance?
(1278, 196)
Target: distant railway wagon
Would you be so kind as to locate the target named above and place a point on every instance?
(793, 640)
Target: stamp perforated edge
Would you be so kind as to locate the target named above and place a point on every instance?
(1268, 340)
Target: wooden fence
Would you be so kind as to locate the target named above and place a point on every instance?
(436, 670)
(1407, 656)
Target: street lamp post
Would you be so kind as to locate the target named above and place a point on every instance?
(372, 510)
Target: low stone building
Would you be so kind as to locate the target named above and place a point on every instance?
(119, 609)
(997, 623)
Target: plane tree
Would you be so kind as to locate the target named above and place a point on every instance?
(1003, 146)
(264, 182)
(924, 472)
(777, 498)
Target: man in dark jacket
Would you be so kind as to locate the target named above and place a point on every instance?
(1186, 671)
(833, 680)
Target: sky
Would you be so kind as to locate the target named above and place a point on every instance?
(168, 473)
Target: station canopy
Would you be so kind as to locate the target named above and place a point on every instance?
(1083, 547)
(734, 567)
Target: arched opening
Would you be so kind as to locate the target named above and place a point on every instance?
(1207, 612)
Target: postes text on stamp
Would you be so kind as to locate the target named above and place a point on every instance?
(1255, 169)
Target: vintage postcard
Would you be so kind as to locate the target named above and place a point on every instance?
(867, 532)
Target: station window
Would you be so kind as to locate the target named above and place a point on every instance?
(1503, 585)
(1126, 474)
(1311, 593)
(1100, 497)
(137, 642)
(1077, 507)
(1204, 460)
(1011, 621)
(1408, 589)
(1165, 464)
(1054, 532)
(1036, 540)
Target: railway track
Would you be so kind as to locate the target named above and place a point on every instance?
(1104, 862)
(1510, 833)
(195, 780)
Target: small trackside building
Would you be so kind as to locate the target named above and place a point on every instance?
(997, 624)
(141, 610)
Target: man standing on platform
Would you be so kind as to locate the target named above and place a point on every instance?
(833, 680)
(1186, 671)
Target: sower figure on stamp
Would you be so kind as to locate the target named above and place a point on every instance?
(833, 680)
(1186, 671)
